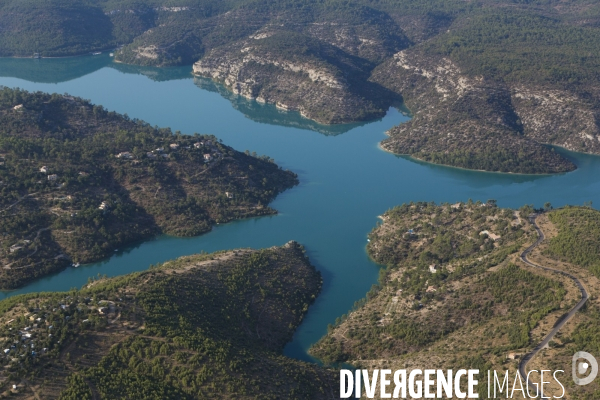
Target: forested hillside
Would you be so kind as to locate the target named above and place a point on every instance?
(452, 295)
(203, 326)
(577, 241)
(489, 82)
(78, 182)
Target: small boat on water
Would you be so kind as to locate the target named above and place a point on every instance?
(96, 53)
(76, 265)
(36, 55)
(111, 54)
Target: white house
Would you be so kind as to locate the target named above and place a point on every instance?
(174, 146)
(44, 169)
(207, 157)
(125, 154)
(52, 177)
(15, 247)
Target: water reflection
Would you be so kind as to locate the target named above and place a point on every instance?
(153, 73)
(476, 179)
(269, 114)
(57, 70)
(52, 70)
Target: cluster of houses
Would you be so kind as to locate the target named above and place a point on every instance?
(38, 331)
(489, 203)
(25, 339)
(51, 177)
(160, 152)
(214, 152)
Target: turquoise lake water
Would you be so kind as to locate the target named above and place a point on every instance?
(346, 180)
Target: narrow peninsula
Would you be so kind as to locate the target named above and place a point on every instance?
(78, 182)
(202, 326)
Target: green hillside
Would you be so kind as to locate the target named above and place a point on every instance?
(78, 182)
(211, 325)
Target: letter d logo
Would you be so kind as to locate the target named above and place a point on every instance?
(582, 368)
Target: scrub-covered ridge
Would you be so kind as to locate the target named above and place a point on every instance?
(77, 182)
(453, 294)
(202, 326)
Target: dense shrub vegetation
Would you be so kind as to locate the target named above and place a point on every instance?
(577, 238)
(448, 278)
(65, 193)
(288, 52)
(516, 40)
(211, 325)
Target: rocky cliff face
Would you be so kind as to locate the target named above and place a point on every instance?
(270, 115)
(296, 72)
(477, 123)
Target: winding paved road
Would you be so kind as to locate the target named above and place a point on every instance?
(565, 318)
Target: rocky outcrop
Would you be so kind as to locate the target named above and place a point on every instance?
(464, 121)
(360, 31)
(226, 67)
(266, 114)
(297, 73)
(558, 117)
